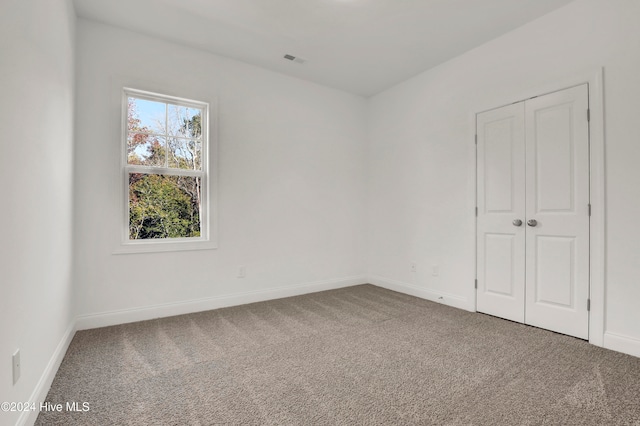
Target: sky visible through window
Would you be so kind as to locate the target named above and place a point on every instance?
(174, 130)
(149, 112)
(152, 114)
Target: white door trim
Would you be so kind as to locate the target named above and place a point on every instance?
(597, 250)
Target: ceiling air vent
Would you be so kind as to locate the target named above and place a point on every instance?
(296, 59)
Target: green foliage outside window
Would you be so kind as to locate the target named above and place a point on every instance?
(160, 206)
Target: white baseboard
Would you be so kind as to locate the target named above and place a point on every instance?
(424, 293)
(39, 394)
(123, 316)
(620, 343)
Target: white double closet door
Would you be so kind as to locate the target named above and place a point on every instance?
(533, 212)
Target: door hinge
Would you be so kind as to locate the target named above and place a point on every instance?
(476, 284)
(476, 139)
(588, 114)
(589, 209)
(588, 305)
(476, 211)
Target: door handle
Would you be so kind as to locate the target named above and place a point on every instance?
(532, 222)
(517, 222)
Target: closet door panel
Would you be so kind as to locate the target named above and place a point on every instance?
(557, 199)
(501, 200)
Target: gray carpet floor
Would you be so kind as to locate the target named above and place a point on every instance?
(358, 355)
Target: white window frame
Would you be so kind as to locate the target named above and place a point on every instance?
(206, 239)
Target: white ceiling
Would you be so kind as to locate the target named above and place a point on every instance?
(361, 46)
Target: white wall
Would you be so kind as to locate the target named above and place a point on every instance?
(290, 177)
(421, 154)
(36, 123)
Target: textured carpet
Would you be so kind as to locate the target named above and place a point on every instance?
(359, 355)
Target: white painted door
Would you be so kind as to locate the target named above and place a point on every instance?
(557, 191)
(533, 166)
(501, 201)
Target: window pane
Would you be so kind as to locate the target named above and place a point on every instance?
(184, 121)
(146, 150)
(146, 116)
(163, 206)
(185, 153)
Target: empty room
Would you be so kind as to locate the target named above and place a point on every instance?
(300, 212)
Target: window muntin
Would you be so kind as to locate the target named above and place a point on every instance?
(165, 168)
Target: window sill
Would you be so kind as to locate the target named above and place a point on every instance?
(164, 246)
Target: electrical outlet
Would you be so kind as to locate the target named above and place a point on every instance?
(242, 272)
(414, 267)
(16, 366)
(435, 270)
